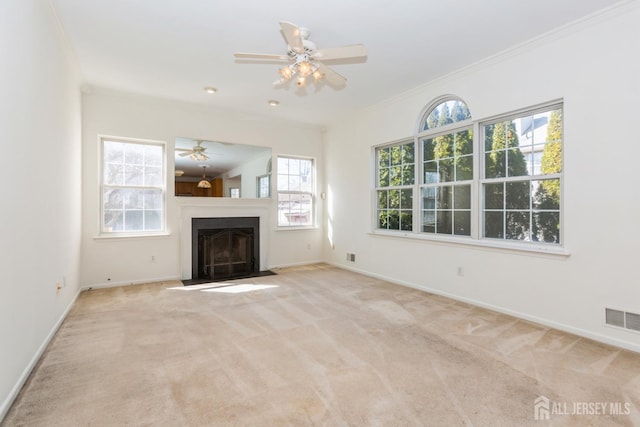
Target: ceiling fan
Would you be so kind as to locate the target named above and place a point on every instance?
(305, 60)
(196, 153)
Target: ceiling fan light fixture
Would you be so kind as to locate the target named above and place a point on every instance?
(317, 75)
(302, 80)
(286, 72)
(305, 68)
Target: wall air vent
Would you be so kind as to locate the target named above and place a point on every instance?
(622, 319)
(615, 317)
(632, 321)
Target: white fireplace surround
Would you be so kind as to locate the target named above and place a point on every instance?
(205, 207)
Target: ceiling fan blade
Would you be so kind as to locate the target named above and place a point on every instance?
(261, 56)
(353, 51)
(188, 153)
(333, 78)
(183, 149)
(292, 35)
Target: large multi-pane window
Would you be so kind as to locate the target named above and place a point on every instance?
(447, 170)
(394, 186)
(133, 186)
(295, 191)
(521, 176)
(484, 180)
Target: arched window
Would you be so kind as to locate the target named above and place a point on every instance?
(446, 143)
(445, 111)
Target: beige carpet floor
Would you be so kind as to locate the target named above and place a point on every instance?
(317, 345)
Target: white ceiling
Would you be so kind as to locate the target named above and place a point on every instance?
(173, 48)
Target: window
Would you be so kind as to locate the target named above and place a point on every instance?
(521, 176)
(498, 179)
(394, 186)
(263, 186)
(133, 186)
(295, 192)
(447, 169)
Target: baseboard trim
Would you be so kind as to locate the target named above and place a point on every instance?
(128, 283)
(605, 339)
(296, 264)
(6, 405)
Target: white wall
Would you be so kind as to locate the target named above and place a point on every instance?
(40, 175)
(128, 260)
(594, 67)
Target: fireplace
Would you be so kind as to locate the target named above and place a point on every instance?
(224, 248)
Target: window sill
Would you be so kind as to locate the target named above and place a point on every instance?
(309, 227)
(513, 247)
(112, 236)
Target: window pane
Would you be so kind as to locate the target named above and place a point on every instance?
(464, 168)
(462, 197)
(384, 157)
(429, 221)
(153, 155)
(283, 165)
(152, 199)
(406, 220)
(408, 174)
(394, 199)
(516, 163)
(395, 176)
(396, 155)
(517, 195)
(428, 146)
(383, 196)
(547, 227)
(444, 197)
(383, 219)
(495, 164)
(383, 177)
(113, 174)
(464, 142)
(133, 174)
(406, 199)
(494, 225)
(153, 220)
(518, 225)
(462, 224)
(445, 170)
(447, 112)
(407, 153)
(546, 194)
(294, 183)
(394, 220)
(133, 220)
(494, 196)
(428, 198)
(430, 172)
(444, 222)
(153, 175)
(113, 220)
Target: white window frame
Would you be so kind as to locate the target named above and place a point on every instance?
(311, 194)
(103, 232)
(477, 203)
(553, 105)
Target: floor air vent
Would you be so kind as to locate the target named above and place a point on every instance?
(622, 319)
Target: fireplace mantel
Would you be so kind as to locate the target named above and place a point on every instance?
(221, 208)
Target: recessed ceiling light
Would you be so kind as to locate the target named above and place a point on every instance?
(210, 89)
(273, 103)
